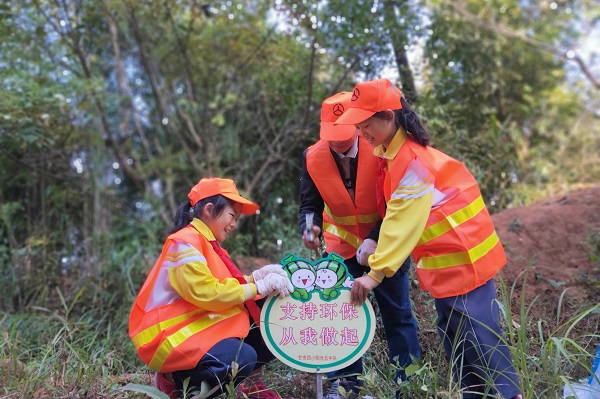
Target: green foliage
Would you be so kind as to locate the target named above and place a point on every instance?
(149, 391)
(559, 350)
(71, 349)
(352, 36)
(488, 104)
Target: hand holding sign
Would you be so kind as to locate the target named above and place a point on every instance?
(259, 274)
(274, 282)
(361, 288)
(317, 329)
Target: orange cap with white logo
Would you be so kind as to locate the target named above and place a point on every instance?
(208, 187)
(331, 109)
(369, 98)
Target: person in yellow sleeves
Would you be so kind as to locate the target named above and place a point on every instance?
(337, 186)
(434, 209)
(192, 317)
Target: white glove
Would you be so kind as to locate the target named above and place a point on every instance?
(274, 282)
(348, 283)
(267, 269)
(366, 249)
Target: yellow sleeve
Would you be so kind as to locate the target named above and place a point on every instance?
(405, 217)
(400, 231)
(194, 282)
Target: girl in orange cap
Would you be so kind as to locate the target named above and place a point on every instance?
(337, 186)
(191, 319)
(432, 207)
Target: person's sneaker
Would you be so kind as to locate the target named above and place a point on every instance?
(333, 392)
(165, 386)
(518, 397)
(256, 391)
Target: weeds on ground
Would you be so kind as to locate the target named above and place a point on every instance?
(52, 354)
(68, 353)
(547, 354)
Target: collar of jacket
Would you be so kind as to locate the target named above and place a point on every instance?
(395, 145)
(203, 229)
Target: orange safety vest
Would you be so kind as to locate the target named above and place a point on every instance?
(458, 250)
(345, 224)
(174, 336)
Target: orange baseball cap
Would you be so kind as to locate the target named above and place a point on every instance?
(331, 109)
(208, 187)
(368, 98)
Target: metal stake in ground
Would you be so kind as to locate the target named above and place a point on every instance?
(319, 385)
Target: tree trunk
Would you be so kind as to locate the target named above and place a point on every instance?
(399, 39)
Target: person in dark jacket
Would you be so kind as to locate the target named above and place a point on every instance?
(337, 187)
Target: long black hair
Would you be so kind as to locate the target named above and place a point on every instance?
(185, 212)
(408, 119)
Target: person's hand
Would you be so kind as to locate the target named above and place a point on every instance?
(259, 274)
(315, 242)
(366, 249)
(274, 282)
(362, 286)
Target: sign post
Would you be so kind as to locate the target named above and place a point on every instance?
(317, 329)
(319, 385)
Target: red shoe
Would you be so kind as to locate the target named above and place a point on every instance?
(256, 391)
(165, 386)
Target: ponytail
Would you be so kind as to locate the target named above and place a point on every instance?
(408, 119)
(186, 213)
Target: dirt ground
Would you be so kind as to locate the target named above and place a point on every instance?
(552, 243)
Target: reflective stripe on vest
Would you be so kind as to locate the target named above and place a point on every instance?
(459, 258)
(343, 234)
(147, 335)
(352, 220)
(452, 221)
(176, 339)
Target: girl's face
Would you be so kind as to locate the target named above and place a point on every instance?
(222, 225)
(377, 131)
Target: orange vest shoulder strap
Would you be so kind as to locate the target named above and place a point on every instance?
(397, 169)
(365, 192)
(321, 147)
(186, 234)
(189, 235)
(325, 174)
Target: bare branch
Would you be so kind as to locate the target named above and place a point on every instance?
(72, 39)
(505, 31)
(159, 98)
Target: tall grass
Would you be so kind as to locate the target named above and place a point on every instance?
(549, 353)
(77, 351)
(54, 354)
